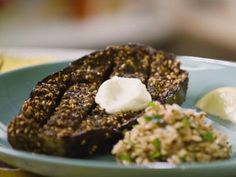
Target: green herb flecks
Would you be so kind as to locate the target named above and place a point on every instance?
(154, 155)
(152, 104)
(157, 153)
(125, 157)
(186, 121)
(157, 144)
(155, 118)
(208, 136)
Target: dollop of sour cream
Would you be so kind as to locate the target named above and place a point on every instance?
(120, 94)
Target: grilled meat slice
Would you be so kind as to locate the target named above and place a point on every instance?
(23, 130)
(167, 82)
(75, 104)
(131, 61)
(95, 67)
(102, 131)
(61, 117)
(59, 134)
(83, 144)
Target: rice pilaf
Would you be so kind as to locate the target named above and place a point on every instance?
(173, 134)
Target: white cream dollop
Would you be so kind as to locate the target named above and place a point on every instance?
(120, 94)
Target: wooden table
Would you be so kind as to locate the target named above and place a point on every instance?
(8, 171)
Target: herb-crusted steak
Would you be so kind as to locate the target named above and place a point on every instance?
(167, 82)
(61, 117)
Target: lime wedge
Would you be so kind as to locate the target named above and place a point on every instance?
(220, 102)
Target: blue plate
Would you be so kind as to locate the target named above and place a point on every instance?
(205, 75)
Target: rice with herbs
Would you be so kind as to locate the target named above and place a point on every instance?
(170, 133)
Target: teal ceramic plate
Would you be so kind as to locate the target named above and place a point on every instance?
(205, 75)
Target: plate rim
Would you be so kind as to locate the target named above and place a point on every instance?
(113, 165)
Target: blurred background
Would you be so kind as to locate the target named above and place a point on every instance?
(205, 28)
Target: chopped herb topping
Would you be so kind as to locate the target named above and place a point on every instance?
(125, 157)
(156, 118)
(208, 136)
(152, 104)
(154, 155)
(157, 153)
(186, 121)
(157, 144)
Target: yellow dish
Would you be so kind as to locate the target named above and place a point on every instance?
(8, 62)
